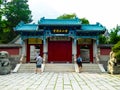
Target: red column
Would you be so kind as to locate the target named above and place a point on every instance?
(91, 53)
(28, 52)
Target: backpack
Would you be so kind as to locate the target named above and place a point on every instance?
(79, 59)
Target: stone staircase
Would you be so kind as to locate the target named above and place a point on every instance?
(90, 67)
(66, 67)
(27, 68)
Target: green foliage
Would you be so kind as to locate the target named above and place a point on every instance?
(116, 49)
(14, 12)
(102, 39)
(0, 12)
(67, 16)
(73, 16)
(18, 10)
(114, 38)
(84, 21)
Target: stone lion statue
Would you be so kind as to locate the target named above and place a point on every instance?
(5, 66)
(112, 62)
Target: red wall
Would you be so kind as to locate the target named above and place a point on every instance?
(105, 51)
(11, 51)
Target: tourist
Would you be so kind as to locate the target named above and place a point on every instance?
(38, 64)
(79, 63)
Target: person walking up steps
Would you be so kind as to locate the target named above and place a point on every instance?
(79, 63)
(38, 64)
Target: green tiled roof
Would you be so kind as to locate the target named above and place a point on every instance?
(92, 27)
(62, 22)
(26, 27)
(44, 21)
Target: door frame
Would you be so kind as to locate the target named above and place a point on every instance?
(90, 50)
(28, 51)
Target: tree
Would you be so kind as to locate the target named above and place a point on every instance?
(0, 13)
(14, 12)
(116, 49)
(114, 38)
(67, 16)
(73, 16)
(102, 39)
(18, 10)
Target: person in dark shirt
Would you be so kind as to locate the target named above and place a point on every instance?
(79, 63)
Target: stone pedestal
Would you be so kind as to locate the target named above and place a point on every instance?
(5, 67)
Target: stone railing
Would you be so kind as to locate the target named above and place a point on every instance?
(97, 59)
(44, 61)
(44, 58)
(74, 58)
(22, 58)
(18, 65)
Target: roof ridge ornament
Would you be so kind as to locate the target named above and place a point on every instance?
(41, 20)
(97, 23)
(21, 23)
(78, 19)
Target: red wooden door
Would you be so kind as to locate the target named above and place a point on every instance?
(60, 51)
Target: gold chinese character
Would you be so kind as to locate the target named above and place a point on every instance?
(54, 30)
(66, 30)
(57, 30)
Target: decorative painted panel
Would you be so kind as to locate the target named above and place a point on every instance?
(60, 38)
(34, 41)
(85, 41)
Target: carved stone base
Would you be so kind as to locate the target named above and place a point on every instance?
(113, 68)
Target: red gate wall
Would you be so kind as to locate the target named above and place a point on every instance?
(60, 51)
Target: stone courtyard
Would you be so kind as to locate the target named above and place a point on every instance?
(60, 81)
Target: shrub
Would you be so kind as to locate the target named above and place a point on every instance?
(116, 49)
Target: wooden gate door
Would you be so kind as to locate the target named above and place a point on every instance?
(60, 51)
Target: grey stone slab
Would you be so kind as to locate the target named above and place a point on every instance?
(59, 81)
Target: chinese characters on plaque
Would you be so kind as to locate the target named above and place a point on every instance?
(60, 31)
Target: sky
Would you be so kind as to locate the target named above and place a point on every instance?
(106, 12)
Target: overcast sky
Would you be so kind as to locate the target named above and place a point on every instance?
(106, 12)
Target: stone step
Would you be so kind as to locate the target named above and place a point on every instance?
(27, 68)
(91, 68)
(59, 68)
(56, 67)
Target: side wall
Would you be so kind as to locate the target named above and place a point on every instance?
(12, 50)
(104, 51)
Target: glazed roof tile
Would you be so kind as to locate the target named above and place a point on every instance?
(26, 27)
(44, 21)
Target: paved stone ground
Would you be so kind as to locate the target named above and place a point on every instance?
(59, 81)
